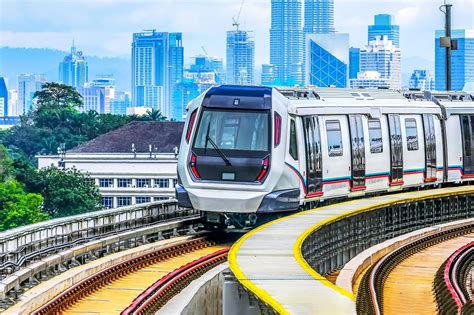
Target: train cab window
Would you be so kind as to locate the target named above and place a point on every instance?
(412, 134)
(334, 136)
(293, 141)
(375, 136)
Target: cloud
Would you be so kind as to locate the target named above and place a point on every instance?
(105, 27)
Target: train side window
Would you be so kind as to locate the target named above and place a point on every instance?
(412, 134)
(333, 130)
(375, 136)
(293, 141)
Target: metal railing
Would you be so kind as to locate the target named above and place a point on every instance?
(25, 244)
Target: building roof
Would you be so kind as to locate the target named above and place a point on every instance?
(163, 136)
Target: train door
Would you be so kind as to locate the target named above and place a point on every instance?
(396, 150)
(467, 128)
(358, 152)
(430, 148)
(314, 170)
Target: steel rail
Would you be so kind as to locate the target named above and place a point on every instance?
(450, 282)
(94, 282)
(370, 297)
(164, 289)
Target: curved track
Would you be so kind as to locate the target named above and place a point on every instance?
(409, 287)
(116, 289)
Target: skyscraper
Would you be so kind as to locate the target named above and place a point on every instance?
(318, 16)
(157, 69)
(120, 103)
(3, 98)
(107, 82)
(268, 74)
(240, 57)
(73, 70)
(28, 84)
(422, 80)
(462, 60)
(286, 42)
(93, 98)
(327, 60)
(383, 26)
(382, 56)
(354, 62)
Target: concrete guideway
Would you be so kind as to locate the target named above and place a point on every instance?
(269, 261)
(45, 291)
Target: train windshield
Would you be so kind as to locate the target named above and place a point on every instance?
(233, 132)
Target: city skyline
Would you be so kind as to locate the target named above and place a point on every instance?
(110, 34)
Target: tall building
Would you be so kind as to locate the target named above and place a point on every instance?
(462, 60)
(327, 61)
(3, 98)
(93, 98)
(369, 80)
(422, 80)
(286, 42)
(202, 74)
(28, 84)
(354, 62)
(318, 16)
(240, 59)
(73, 70)
(382, 56)
(107, 82)
(383, 27)
(205, 66)
(13, 103)
(268, 74)
(119, 104)
(157, 70)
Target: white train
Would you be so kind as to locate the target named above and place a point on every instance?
(248, 152)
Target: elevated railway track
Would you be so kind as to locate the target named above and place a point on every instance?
(402, 281)
(142, 284)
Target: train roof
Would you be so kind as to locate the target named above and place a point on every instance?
(374, 102)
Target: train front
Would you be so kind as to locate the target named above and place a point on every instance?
(232, 155)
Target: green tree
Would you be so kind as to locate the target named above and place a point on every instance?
(6, 164)
(18, 208)
(67, 192)
(154, 115)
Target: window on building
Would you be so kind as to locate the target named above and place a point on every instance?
(124, 182)
(124, 201)
(375, 136)
(175, 182)
(141, 199)
(162, 182)
(108, 202)
(412, 134)
(143, 182)
(293, 141)
(333, 129)
(106, 182)
(160, 198)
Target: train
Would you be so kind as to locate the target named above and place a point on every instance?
(253, 152)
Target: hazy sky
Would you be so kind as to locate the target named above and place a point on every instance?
(105, 27)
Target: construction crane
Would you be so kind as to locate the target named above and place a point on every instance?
(205, 51)
(236, 20)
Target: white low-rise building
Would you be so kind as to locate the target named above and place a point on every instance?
(130, 165)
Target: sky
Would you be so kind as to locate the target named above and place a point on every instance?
(105, 27)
